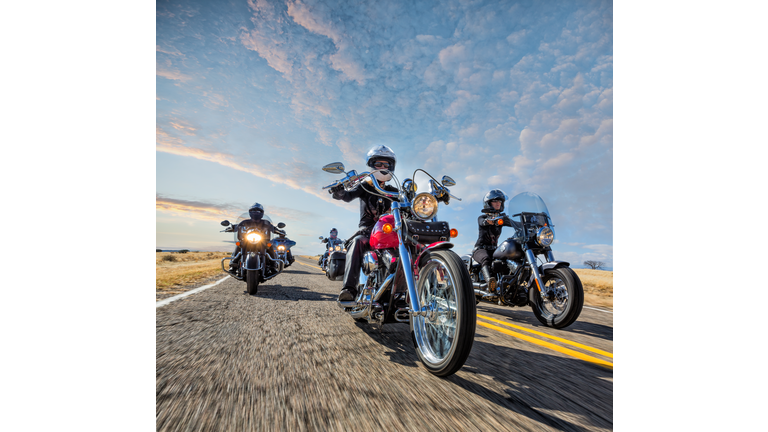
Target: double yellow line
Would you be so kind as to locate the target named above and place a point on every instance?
(549, 345)
(539, 342)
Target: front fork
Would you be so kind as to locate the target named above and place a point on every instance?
(535, 268)
(405, 256)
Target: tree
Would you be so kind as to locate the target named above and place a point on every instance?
(594, 265)
(184, 251)
(158, 250)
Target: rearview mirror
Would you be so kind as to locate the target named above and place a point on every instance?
(321, 237)
(225, 223)
(447, 181)
(281, 225)
(334, 168)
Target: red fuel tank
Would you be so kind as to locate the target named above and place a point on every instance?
(380, 239)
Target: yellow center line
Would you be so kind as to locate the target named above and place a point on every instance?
(565, 341)
(551, 346)
(309, 265)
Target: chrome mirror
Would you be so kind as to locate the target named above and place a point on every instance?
(447, 181)
(334, 168)
(321, 237)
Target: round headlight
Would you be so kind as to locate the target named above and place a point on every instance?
(253, 237)
(338, 248)
(424, 206)
(281, 247)
(545, 236)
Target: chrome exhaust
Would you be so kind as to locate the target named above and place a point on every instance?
(485, 294)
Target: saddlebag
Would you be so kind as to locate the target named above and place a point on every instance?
(336, 263)
(428, 232)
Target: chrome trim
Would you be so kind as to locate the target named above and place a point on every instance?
(230, 258)
(383, 288)
(485, 294)
(550, 256)
(370, 262)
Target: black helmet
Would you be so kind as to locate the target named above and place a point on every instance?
(381, 152)
(494, 195)
(256, 211)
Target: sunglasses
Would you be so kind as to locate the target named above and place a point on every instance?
(380, 165)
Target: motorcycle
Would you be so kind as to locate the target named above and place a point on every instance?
(333, 260)
(283, 245)
(258, 261)
(552, 289)
(411, 275)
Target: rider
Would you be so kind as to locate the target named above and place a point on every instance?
(490, 231)
(332, 237)
(372, 206)
(257, 213)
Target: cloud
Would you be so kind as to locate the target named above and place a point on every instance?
(168, 144)
(197, 209)
(172, 75)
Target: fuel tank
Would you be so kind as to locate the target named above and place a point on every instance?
(382, 240)
(508, 250)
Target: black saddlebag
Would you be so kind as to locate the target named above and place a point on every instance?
(428, 232)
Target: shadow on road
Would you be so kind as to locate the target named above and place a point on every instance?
(535, 383)
(292, 293)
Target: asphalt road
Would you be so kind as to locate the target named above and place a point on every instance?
(290, 359)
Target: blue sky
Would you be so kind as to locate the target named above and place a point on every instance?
(254, 97)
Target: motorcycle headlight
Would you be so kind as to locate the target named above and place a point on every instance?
(252, 237)
(281, 247)
(338, 248)
(545, 236)
(424, 206)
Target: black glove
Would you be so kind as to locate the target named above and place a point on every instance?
(336, 189)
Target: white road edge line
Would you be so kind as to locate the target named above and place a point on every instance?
(162, 303)
(601, 310)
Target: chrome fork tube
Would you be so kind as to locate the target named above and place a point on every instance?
(405, 257)
(534, 268)
(550, 256)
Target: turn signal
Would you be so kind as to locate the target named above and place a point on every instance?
(269, 244)
(500, 222)
(237, 243)
(454, 232)
(387, 228)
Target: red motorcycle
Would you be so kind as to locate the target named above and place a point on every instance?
(412, 275)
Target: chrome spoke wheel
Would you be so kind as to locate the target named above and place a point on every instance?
(555, 298)
(435, 331)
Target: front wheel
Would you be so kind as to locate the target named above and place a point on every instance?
(563, 298)
(252, 281)
(443, 338)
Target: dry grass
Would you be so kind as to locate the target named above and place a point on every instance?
(187, 269)
(598, 287)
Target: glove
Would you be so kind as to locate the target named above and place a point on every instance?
(336, 189)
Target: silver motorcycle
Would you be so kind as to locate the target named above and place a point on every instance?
(411, 275)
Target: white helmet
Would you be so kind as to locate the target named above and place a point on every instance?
(382, 152)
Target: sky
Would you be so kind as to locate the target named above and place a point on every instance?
(253, 97)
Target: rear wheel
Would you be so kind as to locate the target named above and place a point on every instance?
(563, 298)
(443, 338)
(252, 281)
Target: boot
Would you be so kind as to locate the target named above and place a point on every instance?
(489, 279)
(348, 294)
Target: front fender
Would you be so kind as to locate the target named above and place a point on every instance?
(253, 261)
(434, 246)
(552, 265)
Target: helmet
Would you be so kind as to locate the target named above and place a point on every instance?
(495, 194)
(381, 152)
(256, 211)
(334, 233)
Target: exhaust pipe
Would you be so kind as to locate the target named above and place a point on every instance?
(480, 285)
(484, 294)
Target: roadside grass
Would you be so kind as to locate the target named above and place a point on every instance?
(175, 270)
(598, 287)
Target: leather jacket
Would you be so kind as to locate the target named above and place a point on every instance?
(488, 237)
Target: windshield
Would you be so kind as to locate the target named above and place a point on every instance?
(528, 202)
(246, 216)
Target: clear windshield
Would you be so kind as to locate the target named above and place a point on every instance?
(528, 202)
(246, 216)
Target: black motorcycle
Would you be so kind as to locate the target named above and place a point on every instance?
(553, 289)
(334, 259)
(256, 258)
